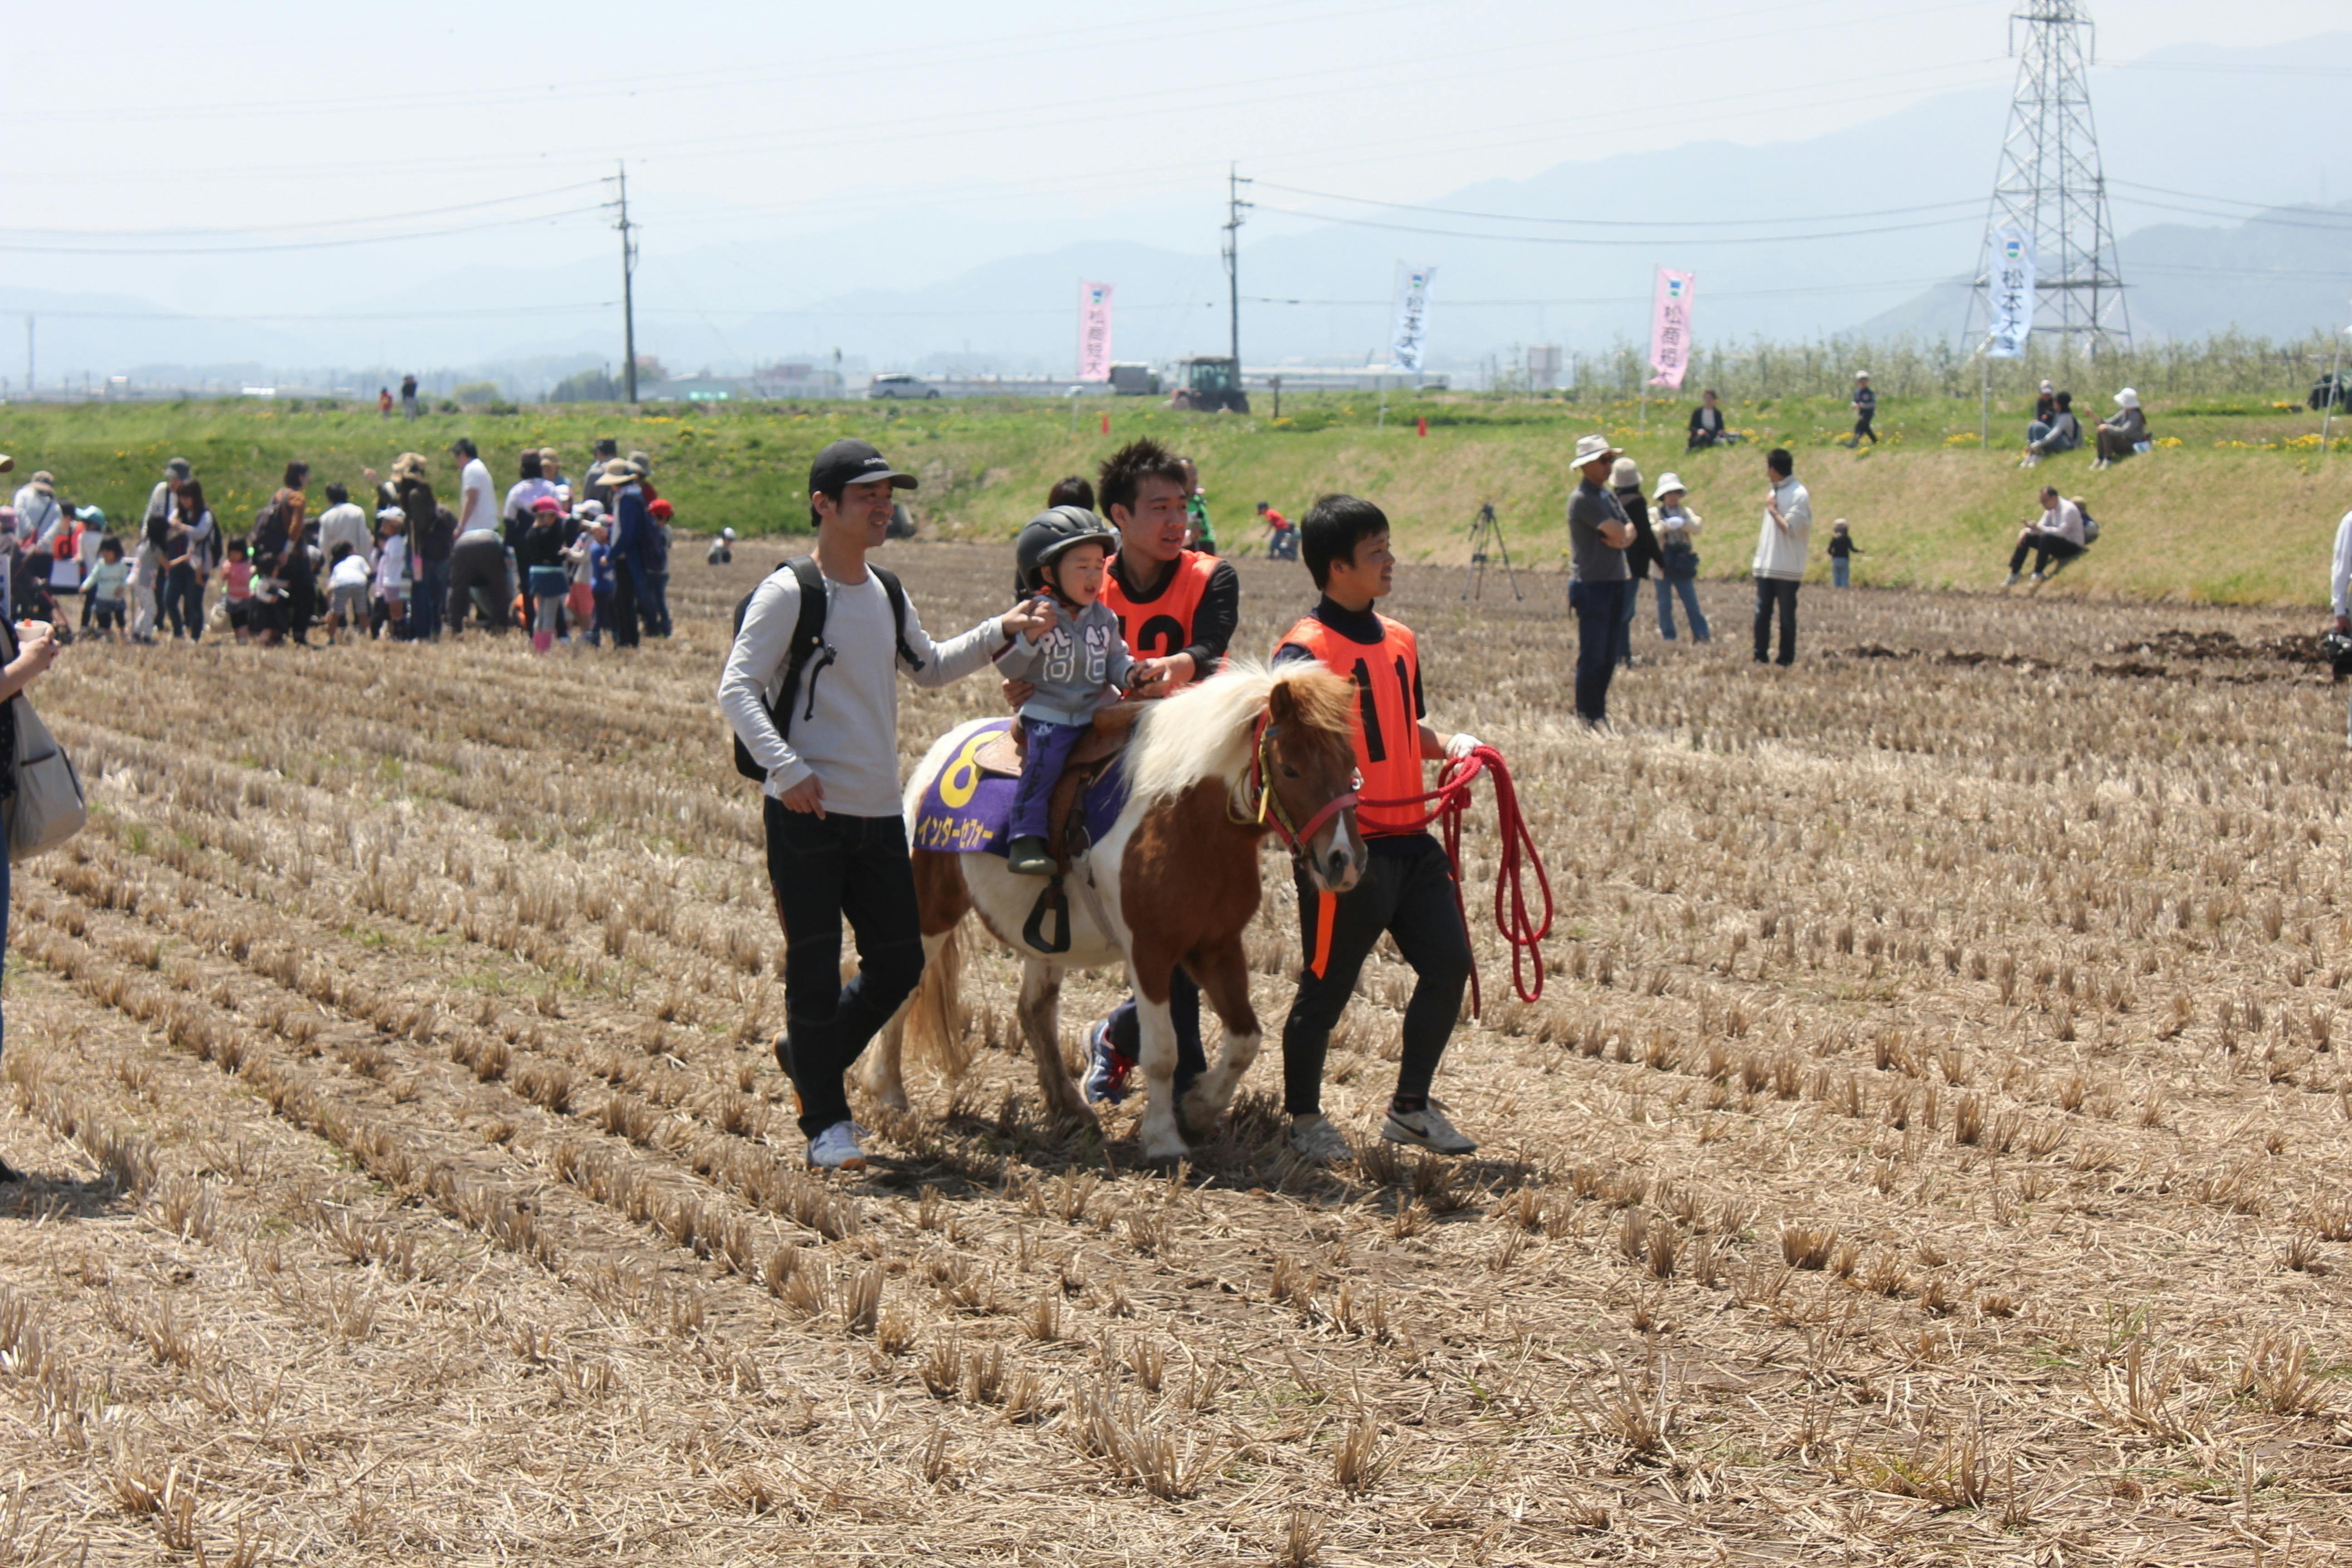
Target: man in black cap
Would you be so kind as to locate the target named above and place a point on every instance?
(836, 841)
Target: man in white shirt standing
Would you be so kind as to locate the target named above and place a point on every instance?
(1780, 545)
(836, 840)
(344, 523)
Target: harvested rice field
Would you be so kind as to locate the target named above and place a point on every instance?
(1931, 1145)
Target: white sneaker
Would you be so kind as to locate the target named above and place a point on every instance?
(2014, 579)
(835, 1149)
(2035, 578)
(1426, 1128)
(1313, 1140)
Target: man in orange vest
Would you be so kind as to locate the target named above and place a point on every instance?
(1178, 609)
(1408, 889)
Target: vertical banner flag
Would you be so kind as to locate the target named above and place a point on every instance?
(2012, 294)
(1670, 338)
(1094, 332)
(1412, 317)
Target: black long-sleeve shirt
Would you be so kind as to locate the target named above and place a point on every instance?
(1214, 619)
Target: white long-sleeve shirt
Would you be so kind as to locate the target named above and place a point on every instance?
(848, 736)
(1780, 552)
(2339, 579)
(2064, 520)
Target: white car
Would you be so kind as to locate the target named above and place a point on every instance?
(899, 383)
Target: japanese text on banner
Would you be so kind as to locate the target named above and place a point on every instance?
(1094, 332)
(2011, 288)
(1670, 337)
(1411, 334)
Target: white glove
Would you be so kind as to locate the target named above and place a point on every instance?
(1462, 745)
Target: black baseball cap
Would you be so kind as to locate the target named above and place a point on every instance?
(848, 463)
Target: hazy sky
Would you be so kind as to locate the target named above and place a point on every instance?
(280, 124)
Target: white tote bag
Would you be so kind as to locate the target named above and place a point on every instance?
(50, 806)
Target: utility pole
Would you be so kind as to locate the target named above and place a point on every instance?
(1234, 208)
(628, 290)
(28, 353)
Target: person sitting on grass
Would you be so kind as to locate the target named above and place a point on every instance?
(2055, 537)
(1408, 893)
(2061, 432)
(1075, 664)
(2119, 437)
(109, 592)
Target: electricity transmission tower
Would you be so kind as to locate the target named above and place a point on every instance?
(2050, 187)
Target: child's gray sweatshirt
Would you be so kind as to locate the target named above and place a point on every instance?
(1070, 665)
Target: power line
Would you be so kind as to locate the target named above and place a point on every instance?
(1620, 222)
(307, 228)
(1570, 240)
(293, 245)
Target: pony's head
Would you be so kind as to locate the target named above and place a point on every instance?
(1280, 738)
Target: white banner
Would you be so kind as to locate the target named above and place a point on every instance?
(1411, 334)
(1094, 332)
(2010, 289)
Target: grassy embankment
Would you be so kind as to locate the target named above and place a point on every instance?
(2243, 510)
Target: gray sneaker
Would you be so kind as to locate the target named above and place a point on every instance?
(1426, 1128)
(1313, 1140)
(835, 1149)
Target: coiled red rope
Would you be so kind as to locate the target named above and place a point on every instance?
(1447, 804)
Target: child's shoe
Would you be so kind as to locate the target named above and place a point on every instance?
(1029, 857)
(541, 641)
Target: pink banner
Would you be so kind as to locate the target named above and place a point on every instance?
(1094, 332)
(1670, 337)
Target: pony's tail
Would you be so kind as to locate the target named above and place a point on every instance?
(938, 1020)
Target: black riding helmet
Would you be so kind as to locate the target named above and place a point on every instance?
(1050, 535)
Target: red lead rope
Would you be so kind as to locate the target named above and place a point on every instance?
(1451, 800)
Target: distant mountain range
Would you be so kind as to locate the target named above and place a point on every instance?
(942, 289)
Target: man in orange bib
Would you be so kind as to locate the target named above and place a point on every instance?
(1177, 608)
(1408, 889)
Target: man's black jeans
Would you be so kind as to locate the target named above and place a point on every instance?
(1600, 616)
(2045, 548)
(1781, 591)
(824, 871)
(1409, 896)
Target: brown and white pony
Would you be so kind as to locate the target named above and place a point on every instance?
(1211, 771)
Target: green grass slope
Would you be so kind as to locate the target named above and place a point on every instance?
(2238, 505)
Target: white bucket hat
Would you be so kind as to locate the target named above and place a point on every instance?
(1669, 484)
(1592, 448)
(1626, 474)
(2127, 398)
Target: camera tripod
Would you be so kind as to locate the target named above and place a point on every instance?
(1485, 532)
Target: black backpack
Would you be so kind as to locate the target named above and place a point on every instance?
(808, 637)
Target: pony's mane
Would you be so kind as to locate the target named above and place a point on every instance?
(1205, 730)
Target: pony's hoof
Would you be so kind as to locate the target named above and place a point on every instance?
(894, 1098)
(1199, 1122)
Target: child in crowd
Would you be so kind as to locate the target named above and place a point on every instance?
(1281, 536)
(1842, 547)
(1076, 664)
(237, 580)
(109, 589)
(391, 575)
(722, 549)
(591, 568)
(347, 592)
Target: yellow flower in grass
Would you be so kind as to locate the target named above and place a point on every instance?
(2168, 440)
